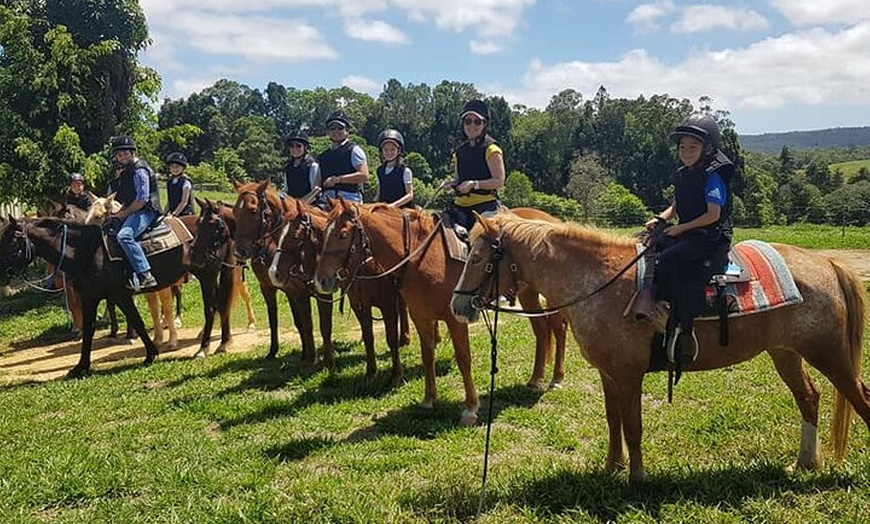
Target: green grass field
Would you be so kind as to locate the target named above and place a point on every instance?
(851, 168)
(232, 439)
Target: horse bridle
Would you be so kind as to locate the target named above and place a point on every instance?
(263, 210)
(343, 273)
(491, 277)
(304, 241)
(220, 239)
(17, 261)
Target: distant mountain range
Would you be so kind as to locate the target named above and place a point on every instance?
(838, 137)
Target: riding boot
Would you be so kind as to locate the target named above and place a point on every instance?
(643, 302)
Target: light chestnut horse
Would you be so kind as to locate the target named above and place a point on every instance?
(568, 262)
(427, 279)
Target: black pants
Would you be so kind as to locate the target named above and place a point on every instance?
(681, 274)
(464, 217)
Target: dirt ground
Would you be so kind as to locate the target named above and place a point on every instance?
(48, 362)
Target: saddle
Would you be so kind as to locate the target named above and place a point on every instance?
(165, 233)
(455, 237)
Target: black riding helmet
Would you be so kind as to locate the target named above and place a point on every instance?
(395, 136)
(338, 116)
(300, 136)
(176, 157)
(123, 143)
(477, 107)
(701, 127)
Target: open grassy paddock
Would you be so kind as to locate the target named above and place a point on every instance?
(233, 438)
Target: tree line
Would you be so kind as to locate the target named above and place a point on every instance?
(70, 79)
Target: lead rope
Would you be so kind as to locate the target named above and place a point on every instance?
(492, 327)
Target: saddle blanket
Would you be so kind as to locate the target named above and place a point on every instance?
(169, 233)
(763, 281)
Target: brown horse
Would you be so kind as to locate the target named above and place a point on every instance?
(567, 262)
(427, 280)
(260, 218)
(298, 249)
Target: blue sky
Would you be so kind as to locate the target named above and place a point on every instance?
(776, 65)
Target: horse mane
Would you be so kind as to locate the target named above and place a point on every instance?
(426, 219)
(538, 234)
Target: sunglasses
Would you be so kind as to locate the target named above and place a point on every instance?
(335, 127)
(296, 145)
(475, 121)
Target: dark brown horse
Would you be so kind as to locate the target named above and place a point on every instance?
(299, 247)
(260, 219)
(568, 262)
(427, 280)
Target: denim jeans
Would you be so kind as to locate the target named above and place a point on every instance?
(350, 196)
(132, 227)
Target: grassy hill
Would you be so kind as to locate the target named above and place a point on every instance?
(839, 137)
(850, 169)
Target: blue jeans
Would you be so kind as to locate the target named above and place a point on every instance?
(350, 196)
(132, 227)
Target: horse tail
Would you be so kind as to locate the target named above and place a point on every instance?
(856, 305)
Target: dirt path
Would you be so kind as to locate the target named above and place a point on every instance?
(48, 362)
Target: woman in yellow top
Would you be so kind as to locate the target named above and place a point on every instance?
(480, 169)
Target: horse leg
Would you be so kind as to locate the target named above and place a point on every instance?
(165, 296)
(176, 294)
(154, 309)
(790, 367)
(89, 320)
(324, 310)
(224, 304)
(559, 328)
(426, 330)
(541, 328)
(270, 297)
(301, 309)
(207, 286)
(125, 302)
(404, 324)
(242, 287)
(74, 303)
(392, 314)
(622, 389)
(113, 318)
(462, 355)
(363, 313)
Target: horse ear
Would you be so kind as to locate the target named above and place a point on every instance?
(263, 186)
(199, 202)
(332, 202)
(110, 199)
(237, 184)
(483, 221)
(299, 209)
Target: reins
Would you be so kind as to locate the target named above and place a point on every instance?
(49, 280)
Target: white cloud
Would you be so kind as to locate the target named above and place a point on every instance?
(374, 31)
(184, 87)
(647, 16)
(484, 48)
(362, 84)
(824, 12)
(489, 18)
(702, 18)
(813, 67)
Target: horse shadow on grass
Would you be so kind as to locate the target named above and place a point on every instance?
(609, 497)
(412, 421)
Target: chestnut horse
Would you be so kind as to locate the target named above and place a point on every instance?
(427, 281)
(260, 218)
(298, 249)
(567, 262)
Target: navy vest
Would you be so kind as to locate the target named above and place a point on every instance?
(126, 189)
(82, 201)
(335, 162)
(471, 163)
(391, 187)
(691, 201)
(174, 193)
(296, 178)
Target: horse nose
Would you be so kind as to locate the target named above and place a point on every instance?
(325, 284)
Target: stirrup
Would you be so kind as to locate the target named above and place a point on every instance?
(682, 347)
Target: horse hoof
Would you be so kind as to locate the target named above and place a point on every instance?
(148, 361)
(177, 322)
(221, 349)
(78, 372)
(427, 404)
(201, 353)
(271, 355)
(251, 328)
(535, 384)
(172, 346)
(555, 386)
(468, 418)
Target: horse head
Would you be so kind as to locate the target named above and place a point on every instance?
(213, 240)
(258, 215)
(485, 275)
(16, 250)
(344, 246)
(298, 245)
(100, 209)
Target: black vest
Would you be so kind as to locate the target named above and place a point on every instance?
(471, 163)
(126, 189)
(691, 201)
(174, 193)
(335, 162)
(297, 182)
(391, 187)
(82, 201)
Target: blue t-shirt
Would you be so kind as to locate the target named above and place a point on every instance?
(715, 192)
